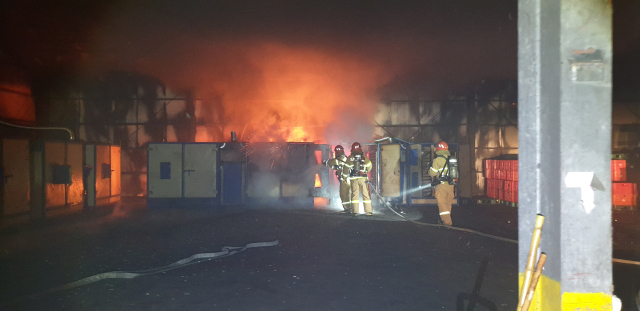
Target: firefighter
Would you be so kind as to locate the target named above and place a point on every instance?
(356, 169)
(337, 164)
(444, 190)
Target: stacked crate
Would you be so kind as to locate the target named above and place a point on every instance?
(502, 179)
(622, 194)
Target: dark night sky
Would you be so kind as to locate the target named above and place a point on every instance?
(458, 41)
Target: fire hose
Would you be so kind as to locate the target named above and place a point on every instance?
(386, 204)
(194, 259)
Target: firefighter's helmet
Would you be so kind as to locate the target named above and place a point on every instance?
(356, 147)
(339, 150)
(442, 146)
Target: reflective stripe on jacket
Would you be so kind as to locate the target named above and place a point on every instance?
(438, 165)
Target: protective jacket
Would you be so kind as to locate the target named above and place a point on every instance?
(438, 166)
(444, 192)
(356, 170)
(337, 164)
(353, 170)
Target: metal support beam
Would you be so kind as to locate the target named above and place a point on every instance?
(564, 117)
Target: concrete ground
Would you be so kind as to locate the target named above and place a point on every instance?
(324, 260)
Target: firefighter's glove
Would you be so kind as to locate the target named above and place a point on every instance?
(325, 162)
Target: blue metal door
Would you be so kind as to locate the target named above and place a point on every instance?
(232, 183)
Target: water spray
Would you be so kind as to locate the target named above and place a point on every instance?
(412, 190)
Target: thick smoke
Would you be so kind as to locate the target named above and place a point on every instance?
(301, 71)
(265, 91)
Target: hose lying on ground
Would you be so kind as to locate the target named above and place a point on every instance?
(194, 259)
(386, 204)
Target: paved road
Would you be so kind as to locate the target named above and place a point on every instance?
(325, 261)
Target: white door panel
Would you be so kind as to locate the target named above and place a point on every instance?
(390, 170)
(200, 170)
(165, 171)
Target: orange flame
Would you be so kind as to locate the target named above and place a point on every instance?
(318, 154)
(318, 181)
(286, 95)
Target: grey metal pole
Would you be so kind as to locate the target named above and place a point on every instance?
(564, 117)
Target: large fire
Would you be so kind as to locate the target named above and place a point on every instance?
(289, 95)
(267, 92)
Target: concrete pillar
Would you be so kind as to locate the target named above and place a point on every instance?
(564, 117)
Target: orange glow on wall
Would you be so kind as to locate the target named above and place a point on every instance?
(318, 181)
(318, 154)
(320, 201)
(16, 103)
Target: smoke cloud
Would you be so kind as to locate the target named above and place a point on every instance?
(308, 71)
(263, 91)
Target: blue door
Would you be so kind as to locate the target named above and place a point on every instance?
(232, 183)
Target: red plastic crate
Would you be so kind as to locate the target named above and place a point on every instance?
(492, 189)
(495, 164)
(618, 164)
(624, 188)
(511, 189)
(502, 174)
(624, 199)
(503, 165)
(488, 173)
(510, 175)
(488, 165)
(618, 170)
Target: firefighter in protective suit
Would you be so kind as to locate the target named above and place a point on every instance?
(337, 164)
(444, 190)
(356, 169)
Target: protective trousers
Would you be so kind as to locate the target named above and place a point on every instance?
(345, 196)
(444, 197)
(360, 185)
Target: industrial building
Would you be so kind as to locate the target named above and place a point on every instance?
(160, 154)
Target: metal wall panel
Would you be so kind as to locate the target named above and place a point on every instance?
(90, 185)
(390, 170)
(466, 177)
(54, 193)
(415, 171)
(103, 162)
(200, 163)
(169, 187)
(115, 171)
(325, 173)
(74, 158)
(37, 186)
(15, 161)
(232, 183)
